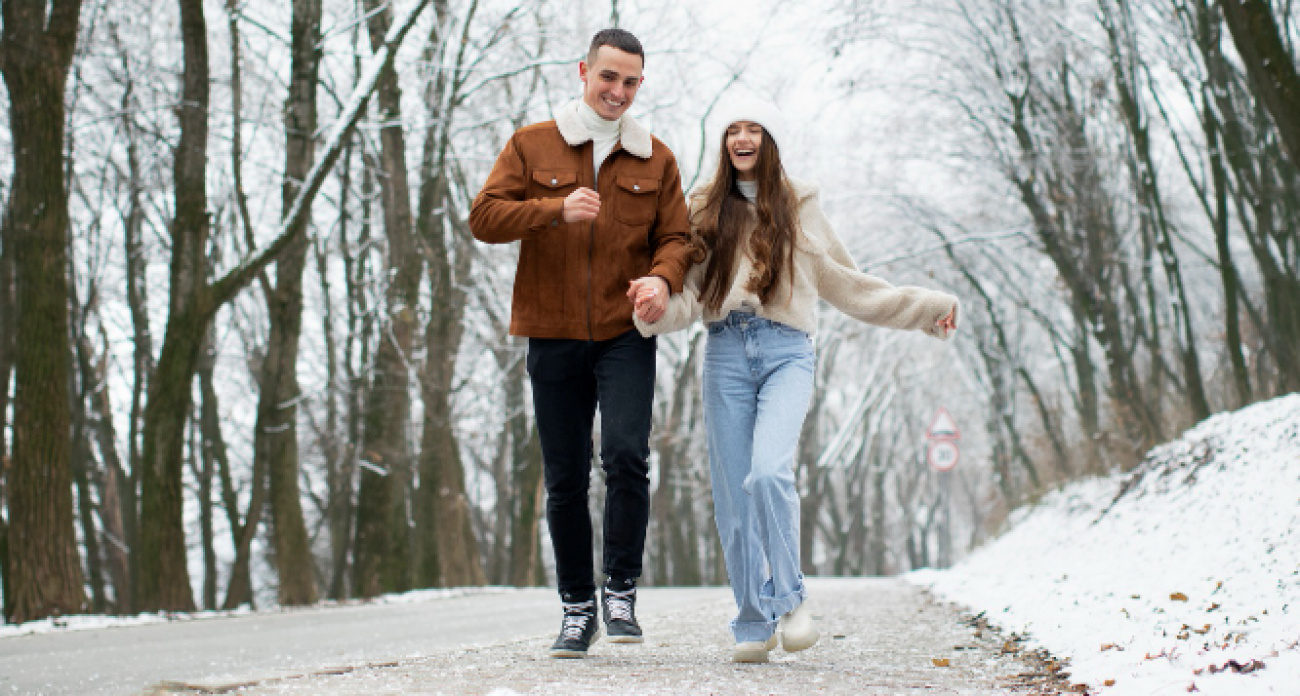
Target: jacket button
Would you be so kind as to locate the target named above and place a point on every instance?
(554, 181)
(555, 223)
(636, 187)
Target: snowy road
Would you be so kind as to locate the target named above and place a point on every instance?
(880, 636)
(129, 660)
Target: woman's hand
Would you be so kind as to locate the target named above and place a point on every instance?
(948, 324)
(649, 297)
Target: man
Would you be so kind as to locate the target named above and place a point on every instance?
(597, 204)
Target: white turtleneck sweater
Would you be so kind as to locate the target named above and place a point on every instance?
(749, 189)
(604, 134)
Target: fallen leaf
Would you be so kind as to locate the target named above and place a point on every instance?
(1109, 682)
(1079, 688)
(1192, 688)
(1110, 646)
(940, 661)
(1201, 631)
(1237, 667)
(1178, 597)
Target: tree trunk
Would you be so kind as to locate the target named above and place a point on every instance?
(137, 295)
(1271, 67)
(163, 579)
(1209, 38)
(356, 273)
(201, 466)
(381, 562)
(276, 436)
(6, 369)
(82, 460)
(447, 549)
(1124, 61)
(112, 480)
(677, 554)
(44, 571)
(239, 589)
(526, 463)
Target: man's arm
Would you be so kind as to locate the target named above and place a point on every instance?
(501, 214)
(672, 231)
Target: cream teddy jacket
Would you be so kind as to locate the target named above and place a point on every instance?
(822, 268)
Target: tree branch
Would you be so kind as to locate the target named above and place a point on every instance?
(234, 281)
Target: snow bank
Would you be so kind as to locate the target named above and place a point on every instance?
(1182, 576)
(90, 622)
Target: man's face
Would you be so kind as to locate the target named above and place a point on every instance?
(610, 83)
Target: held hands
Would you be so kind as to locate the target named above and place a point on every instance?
(649, 296)
(948, 324)
(581, 205)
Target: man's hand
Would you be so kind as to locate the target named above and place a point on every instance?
(582, 204)
(649, 296)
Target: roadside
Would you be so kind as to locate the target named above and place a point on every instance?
(879, 636)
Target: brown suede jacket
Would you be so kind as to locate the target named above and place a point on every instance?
(572, 279)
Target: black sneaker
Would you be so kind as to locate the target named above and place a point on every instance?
(579, 630)
(619, 600)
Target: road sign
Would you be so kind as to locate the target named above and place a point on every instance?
(942, 451)
(943, 427)
(943, 455)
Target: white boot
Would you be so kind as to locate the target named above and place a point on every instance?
(752, 651)
(797, 629)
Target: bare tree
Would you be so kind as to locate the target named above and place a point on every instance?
(381, 562)
(44, 573)
(276, 435)
(163, 580)
(1129, 73)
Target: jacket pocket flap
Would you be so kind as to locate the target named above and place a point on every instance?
(635, 185)
(555, 178)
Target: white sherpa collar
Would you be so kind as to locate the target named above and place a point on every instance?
(632, 135)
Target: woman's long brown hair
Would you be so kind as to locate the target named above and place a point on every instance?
(719, 226)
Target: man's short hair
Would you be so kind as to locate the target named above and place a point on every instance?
(621, 39)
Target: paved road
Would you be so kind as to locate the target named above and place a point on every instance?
(880, 636)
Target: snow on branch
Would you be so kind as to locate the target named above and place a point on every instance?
(236, 279)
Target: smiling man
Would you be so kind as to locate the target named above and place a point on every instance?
(596, 203)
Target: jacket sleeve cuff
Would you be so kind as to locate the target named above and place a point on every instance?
(550, 215)
(671, 275)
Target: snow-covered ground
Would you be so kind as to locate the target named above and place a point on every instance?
(1183, 576)
(90, 622)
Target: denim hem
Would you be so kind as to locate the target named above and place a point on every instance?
(752, 631)
(785, 604)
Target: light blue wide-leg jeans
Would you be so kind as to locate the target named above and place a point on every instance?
(758, 382)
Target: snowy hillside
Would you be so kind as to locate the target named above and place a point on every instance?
(1183, 576)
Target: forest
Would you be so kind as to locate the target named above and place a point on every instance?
(250, 353)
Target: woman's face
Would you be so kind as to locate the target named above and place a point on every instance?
(742, 141)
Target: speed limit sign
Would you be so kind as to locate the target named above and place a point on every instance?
(943, 455)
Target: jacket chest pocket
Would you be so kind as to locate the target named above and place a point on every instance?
(636, 200)
(553, 183)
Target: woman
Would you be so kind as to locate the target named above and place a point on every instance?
(765, 254)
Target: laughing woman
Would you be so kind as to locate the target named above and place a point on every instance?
(765, 254)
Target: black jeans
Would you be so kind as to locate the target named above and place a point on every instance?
(569, 379)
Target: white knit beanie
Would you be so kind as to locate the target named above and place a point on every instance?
(749, 108)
